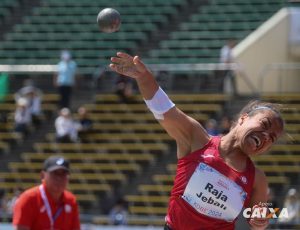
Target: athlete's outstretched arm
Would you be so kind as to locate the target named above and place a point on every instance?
(187, 132)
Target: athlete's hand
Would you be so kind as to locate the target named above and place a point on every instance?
(127, 65)
(258, 223)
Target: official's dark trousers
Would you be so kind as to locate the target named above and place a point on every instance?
(65, 96)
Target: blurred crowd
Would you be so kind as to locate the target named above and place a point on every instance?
(29, 115)
(217, 127)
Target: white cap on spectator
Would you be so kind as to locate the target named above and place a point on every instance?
(22, 101)
(65, 112)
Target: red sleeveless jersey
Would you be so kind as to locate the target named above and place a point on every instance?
(207, 193)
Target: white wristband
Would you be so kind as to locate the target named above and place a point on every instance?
(159, 104)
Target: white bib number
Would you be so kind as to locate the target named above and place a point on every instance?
(212, 194)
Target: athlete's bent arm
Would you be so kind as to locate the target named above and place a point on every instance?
(187, 132)
(259, 196)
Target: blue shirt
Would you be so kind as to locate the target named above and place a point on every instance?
(66, 73)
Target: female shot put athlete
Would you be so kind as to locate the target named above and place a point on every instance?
(215, 177)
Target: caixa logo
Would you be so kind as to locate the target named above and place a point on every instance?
(265, 212)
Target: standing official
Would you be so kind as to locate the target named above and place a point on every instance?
(48, 206)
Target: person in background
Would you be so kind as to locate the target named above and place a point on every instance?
(118, 215)
(3, 206)
(66, 128)
(225, 124)
(124, 89)
(22, 117)
(49, 205)
(34, 98)
(226, 57)
(64, 80)
(211, 127)
(85, 123)
(11, 202)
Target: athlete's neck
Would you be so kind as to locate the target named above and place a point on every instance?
(232, 155)
(227, 147)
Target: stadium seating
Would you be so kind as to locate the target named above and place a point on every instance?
(125, 141)
(132, 220)
(6, 7)
(200, 39)
(49, 103)
(8, 137)
(180, 98)
(57, 25)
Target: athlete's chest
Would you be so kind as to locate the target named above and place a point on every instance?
(214, 190)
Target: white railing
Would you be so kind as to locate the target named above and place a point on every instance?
(28, 68)
(95, 72)
(154, 67)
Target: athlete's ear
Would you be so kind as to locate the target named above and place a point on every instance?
(242, 118)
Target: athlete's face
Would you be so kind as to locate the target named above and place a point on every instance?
(258, 132)
(56, 180)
